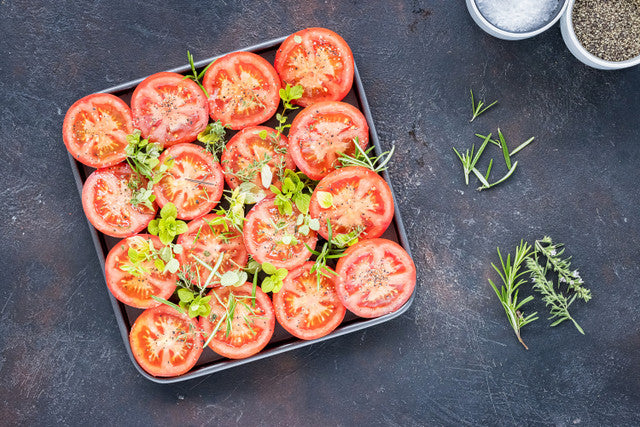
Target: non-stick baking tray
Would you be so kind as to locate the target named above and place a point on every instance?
(281, 341)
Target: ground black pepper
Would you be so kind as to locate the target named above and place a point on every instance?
(609, 29)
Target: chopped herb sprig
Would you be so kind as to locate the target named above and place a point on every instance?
(363, 158)
(477, 109)
(195, 76)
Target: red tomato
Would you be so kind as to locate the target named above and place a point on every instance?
(136, 289)
(320, 61)
(243, 90)
(264, 231)
(361, 199)
(306, 310)
(169, 109)
(251, 327)
(95, 130)
(322, 131)
(165, 342)
(209, 242)
(378, 277)
(106, 200)
(184, 183)
(245, 155)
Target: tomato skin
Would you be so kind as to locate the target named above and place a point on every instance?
(169, 109)
(300, 287)
(209, 246)
(361, 197)
(95, 130)
(137, 291)
(319, 60)
(243, 90)
(320, 132)
(246, 147)
(174, 335)
(261, 239)
(106, 202)
(192, 199)
(378, 277)
(242, 342)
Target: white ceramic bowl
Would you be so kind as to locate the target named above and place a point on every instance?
(509, 35)
(571, 40)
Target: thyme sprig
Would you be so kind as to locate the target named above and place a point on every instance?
(476, 110)
(511, 273)
(363, 158)
(213, 138)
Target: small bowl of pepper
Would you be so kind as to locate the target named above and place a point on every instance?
(603, 34)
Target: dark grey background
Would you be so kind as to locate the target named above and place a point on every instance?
(452, 358)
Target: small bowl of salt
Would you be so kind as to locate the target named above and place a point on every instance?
(516, 19)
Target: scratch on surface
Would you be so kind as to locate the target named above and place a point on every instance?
(7, 302)
(491, 395)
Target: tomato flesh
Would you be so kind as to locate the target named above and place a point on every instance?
(169, 109)
(321, 132)
(208, 242)
(136, 290)
(306, 309)
(319, 60)
(106, 200)
(194, 183)
(265, 231)
(95, 129)
(165, 343)
(243, 90)
(378, 277)
(361, 200)
(251, 327)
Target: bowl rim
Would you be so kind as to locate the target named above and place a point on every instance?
(568, 18)
(513, 34)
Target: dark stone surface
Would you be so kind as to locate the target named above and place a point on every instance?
(451, 359)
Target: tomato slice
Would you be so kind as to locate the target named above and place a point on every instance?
(320, 132)
(106, 200)
(169, 109)
(378, 277)
(247, 152)
(208, 242)
(164, 342)
(319, 60)
(136, 289)
(243, 90)
(250, 328)
(95, 130)
(306, 310)
(194, 183)
(264, 231)
(361, 200)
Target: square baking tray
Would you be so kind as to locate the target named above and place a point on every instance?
(281, 341)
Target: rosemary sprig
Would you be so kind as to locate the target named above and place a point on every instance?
(195, 76)
(469, 161)
(562, 266)
(498, 144)
(476, 110)
(363, 158)
(508, 293)
(558, 303)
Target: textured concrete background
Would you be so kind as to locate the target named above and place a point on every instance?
(451, 359)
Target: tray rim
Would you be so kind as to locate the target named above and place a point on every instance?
(229, 363)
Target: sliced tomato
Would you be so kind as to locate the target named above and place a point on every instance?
(194, 183)
(378, 277)
(243, 90)
(248, 152)
(208, 242)
(169, 109)
(241, 329)
(361, 200)
(319, 60)
(95, 130)
(164, 342)
(137, 288)
(320, 132)
(106, 200)
(266, 232)
(306, 308)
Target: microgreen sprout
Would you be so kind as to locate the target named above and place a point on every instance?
(476, 110)
(363, 158)
(195, 76)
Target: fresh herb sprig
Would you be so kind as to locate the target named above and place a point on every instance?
(143, 250)
(363, 158)
(287, 94)
(167, 227)
(195, 76)
(213, 138)
(275, 278)
(469, 161)
(477, 109)
(295, 190)
(511, 274)
(328, 252)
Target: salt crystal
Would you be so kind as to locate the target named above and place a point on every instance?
(518, 16)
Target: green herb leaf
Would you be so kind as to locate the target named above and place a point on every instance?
(268, 268)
